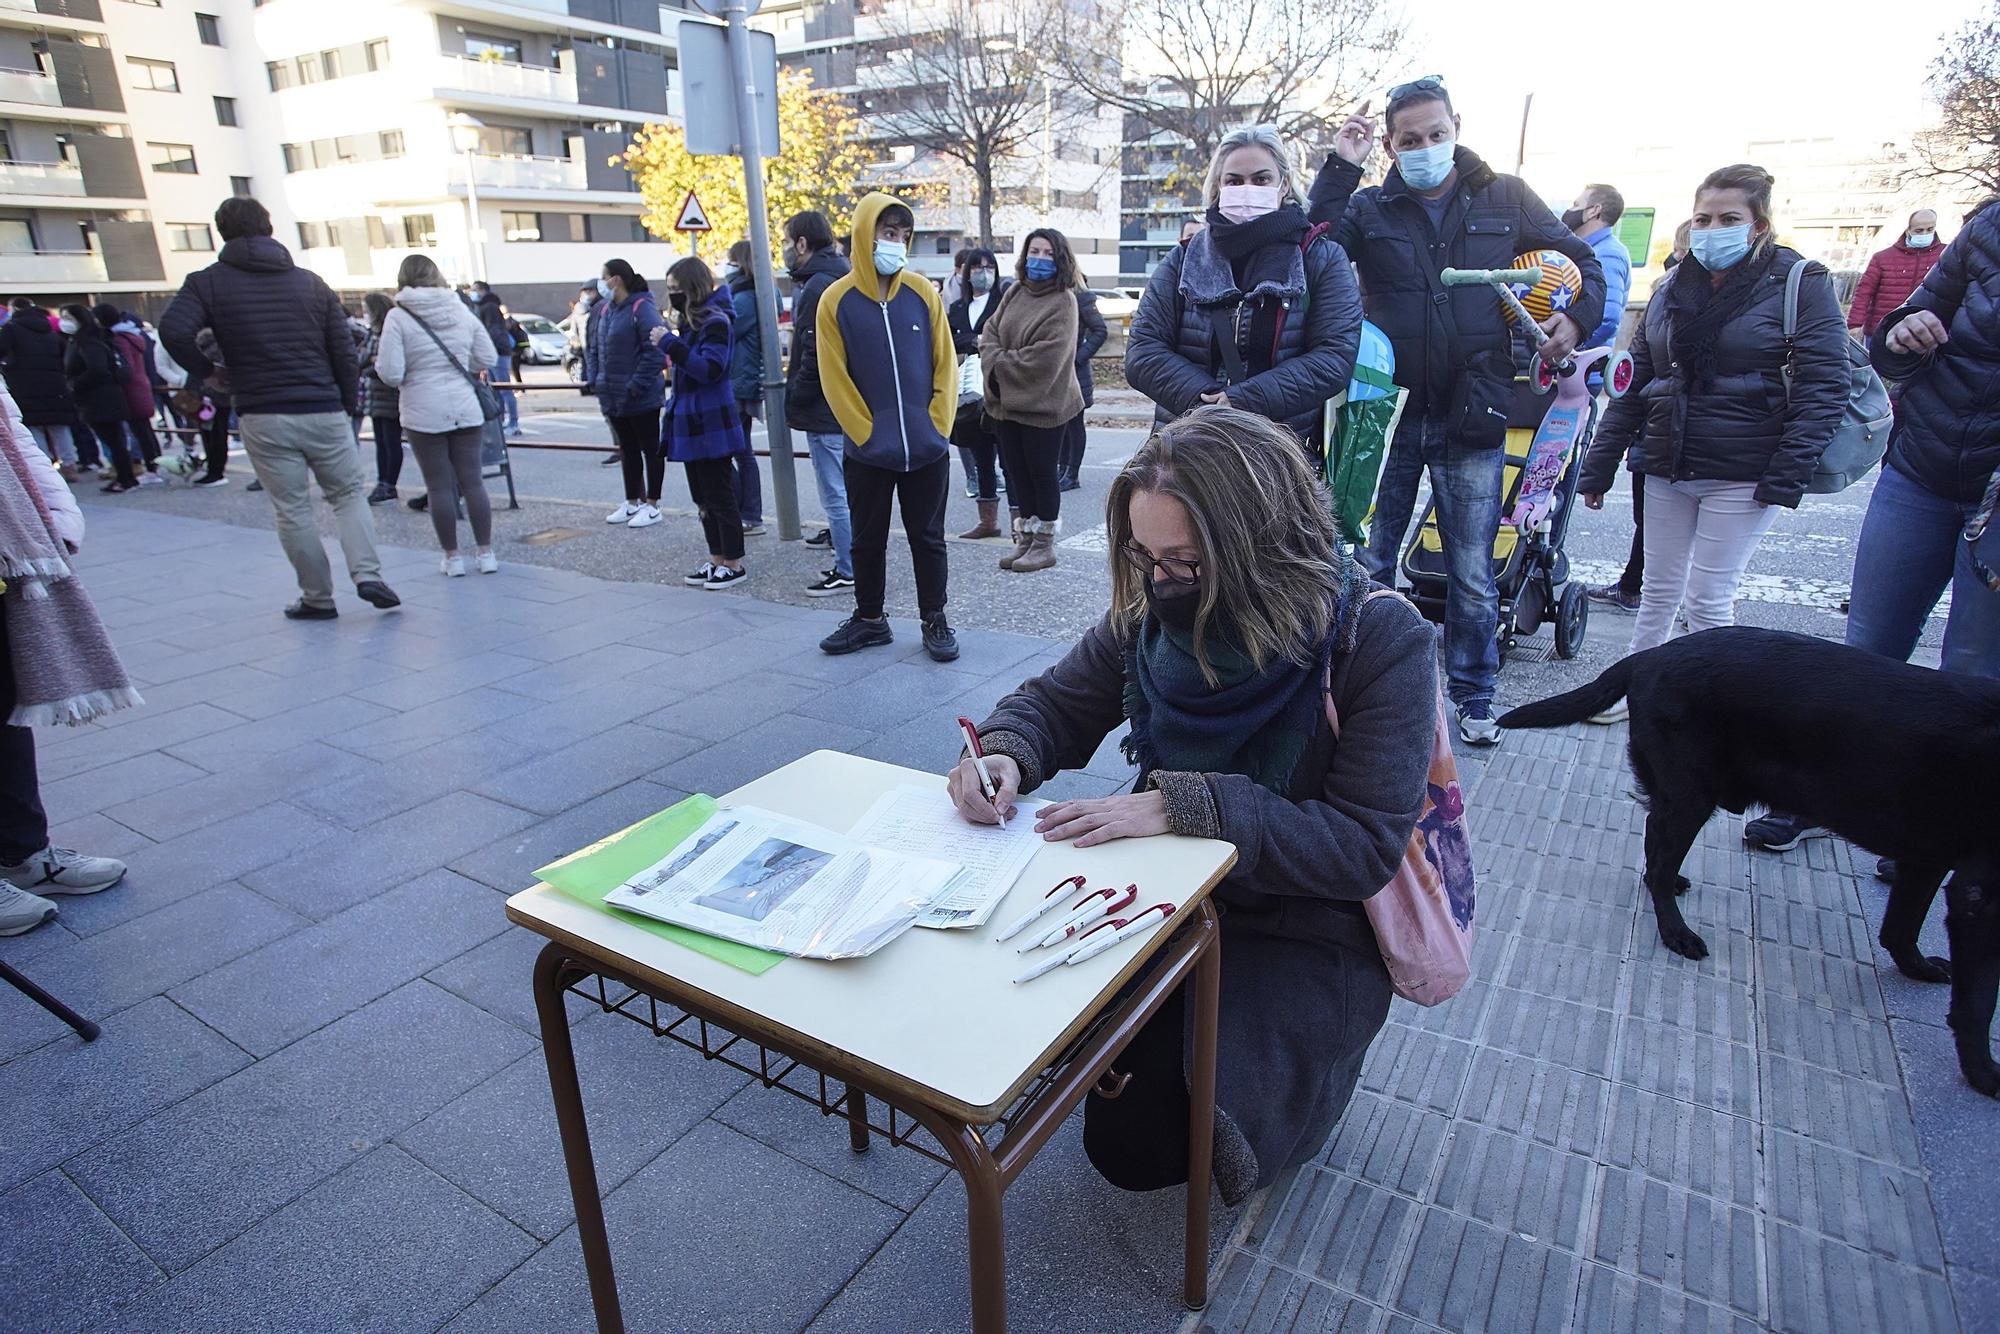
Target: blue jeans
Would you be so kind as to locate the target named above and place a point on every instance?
(748, 484)
(503, 369)
(1466, 485)
(1910, 549)
(827, 449)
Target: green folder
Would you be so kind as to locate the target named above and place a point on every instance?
(588, 874)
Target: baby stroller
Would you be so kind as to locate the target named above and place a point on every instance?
(1546, 438)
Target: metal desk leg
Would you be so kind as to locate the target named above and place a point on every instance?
(985, 1223)
(551, 968)
(857, 1119)
(1201, 1120)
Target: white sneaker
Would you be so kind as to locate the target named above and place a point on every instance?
(623, 514)
(488, 563)
(1476, 726)
(453, 567)
(150, 478)
(647, 516)
(1617, 713)
(64, 871)
(21, 911)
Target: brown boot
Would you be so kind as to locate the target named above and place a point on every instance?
(1022, 544)
(1041, 547)
(989, 521)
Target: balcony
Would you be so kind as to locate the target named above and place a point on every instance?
(22, 85)
(41, 178)
(50, 267)
(516, 171)
(500, 78)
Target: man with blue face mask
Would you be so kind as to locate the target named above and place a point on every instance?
(1442, 207)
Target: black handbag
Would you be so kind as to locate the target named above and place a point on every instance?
(489, 398)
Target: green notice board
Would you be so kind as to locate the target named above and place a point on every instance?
(1634, 231)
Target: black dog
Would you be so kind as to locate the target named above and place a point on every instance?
(1902, 760)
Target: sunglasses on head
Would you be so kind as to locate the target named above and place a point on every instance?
(1430, 83)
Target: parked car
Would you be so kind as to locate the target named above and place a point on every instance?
(546, 343)
(1116, 304)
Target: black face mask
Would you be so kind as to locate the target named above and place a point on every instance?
(1173, 605)
(1573, 218)
(679, 301)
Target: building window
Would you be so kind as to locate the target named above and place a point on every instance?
(295, 157)
(392, 143)
(158, 75)
(7, 146)
(574, 226)
(506, 141)
(279, 72)
(173, 159)
(186, 236)
(506, 49)
(225, 111)
(313, 235)
(309, 68)
(330, 62)
(209, 28)
(419, 229)
(239, 186)
(17, 236)
(344, 149)
(521, 226)
(378, 54)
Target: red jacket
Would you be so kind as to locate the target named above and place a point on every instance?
(1889, 279)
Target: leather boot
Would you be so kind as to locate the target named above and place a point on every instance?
(1041, 547)
(989, 521)
(1022, 544)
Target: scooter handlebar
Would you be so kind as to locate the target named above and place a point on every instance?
(1488, 277)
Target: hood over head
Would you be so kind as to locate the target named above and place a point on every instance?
(256, 254)
(867, 214)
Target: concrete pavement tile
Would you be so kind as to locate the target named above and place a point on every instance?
(334, 718)
(894, 1175)
(714, 1218)
(23, 949)
(1252, 1294)
(584, 714)
(1572, 974)
(1954, 1130)
(102, 789)
(720, 712)
(1840, 983)
(1867, 1204)
(1823, 1287)
(1683, 994)
(1076, 785)
(600, 666)
(754, 752)
(1464, 1275)
(1423, 1069)
(323, 881)
(1846, 1044)
(1338, 1230)
(498, 977)
(890, 695)
(210, 1168)
(1549, 1104)
(90, 748)
(554, 643)
(1683, 1144)
(1687, 1242)
(1517, 1185)
(399, 735)
(1577, 1036)
(1611, 1302)
(404, 691)
(561, 779)
(509, 864)
(292, 986)
(499, 1143)
(1608, 930)
(99, 835)
(65, 1265)
(381, 789)
(1854, 1114)
(1387, 1143)
(1688, 1065)
(67, 1096)
(387, 1217)
(171, 809)
(1978, 1299)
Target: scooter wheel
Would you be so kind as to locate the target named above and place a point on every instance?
(1618, 374)
(1572, 618)
(1543, 380)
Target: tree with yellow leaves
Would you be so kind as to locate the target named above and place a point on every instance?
(821, 160)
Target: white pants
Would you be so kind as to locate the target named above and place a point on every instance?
(1699, 538)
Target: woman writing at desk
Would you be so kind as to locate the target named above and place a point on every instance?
(1230, 605)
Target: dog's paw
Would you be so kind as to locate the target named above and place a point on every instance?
(1684, 942)
(1922, 967)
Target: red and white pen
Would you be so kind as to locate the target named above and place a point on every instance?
(1073, 885)
(1122, 928)
(979, 763)
(1099, 905)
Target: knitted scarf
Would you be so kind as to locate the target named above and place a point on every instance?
(65, 669)
(1699, 309)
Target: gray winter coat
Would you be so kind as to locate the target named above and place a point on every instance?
(1171, 354)
(1304, 989)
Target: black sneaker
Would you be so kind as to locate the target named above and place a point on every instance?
(831, 583)
(1780, 832)
(724, 577)
(855, 633)
(303, 611)
(1885, 870)
(419, 503)
(377, 594)
(939, 641)
(612, 460)
(255, 485)
(382, 494)
(1612, 595)
(822, 538)
(698, 576)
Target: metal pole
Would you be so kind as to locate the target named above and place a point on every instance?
(473, 243)
(1521, 149)
(1048, 146)
(784, 481)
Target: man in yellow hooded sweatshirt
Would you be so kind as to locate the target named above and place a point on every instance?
(890, 375)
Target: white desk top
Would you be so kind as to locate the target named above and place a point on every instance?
(934, 1009)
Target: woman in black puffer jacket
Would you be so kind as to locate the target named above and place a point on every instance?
(1721, 439)
(97, 384)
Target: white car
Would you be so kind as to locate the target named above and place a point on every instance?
(1116, 304)
(546, 343)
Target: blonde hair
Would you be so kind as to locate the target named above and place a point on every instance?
(1267, 138)
(1270, 549)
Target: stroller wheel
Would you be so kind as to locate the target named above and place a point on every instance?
(1572, 618)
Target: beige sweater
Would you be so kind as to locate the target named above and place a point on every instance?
(1027, 354)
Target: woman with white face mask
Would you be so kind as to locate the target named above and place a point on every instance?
(1257, 310)
(1722, 439)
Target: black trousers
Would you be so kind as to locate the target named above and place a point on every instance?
(24, 825)
(112, 435)
(1072, 451)
(1139, 1140)
(215, 442)
(1031, 455)
(640, 454)
(712, 483)
(1630, 582)
(922, 493)
(149, 443)
(388, 449)
(979, 450)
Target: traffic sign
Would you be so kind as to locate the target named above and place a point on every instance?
(694, 218)
(708, 90)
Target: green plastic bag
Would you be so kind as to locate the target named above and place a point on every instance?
(1358, 436)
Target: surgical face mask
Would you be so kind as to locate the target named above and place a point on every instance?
(1426, 168)
(1720, 248)
(1573, 218)
(890, 256)
(730, 271)
(1040, 268)
(604, 288)
(1241, 203)
(1922, 240)
(67, 325)
(982, 280)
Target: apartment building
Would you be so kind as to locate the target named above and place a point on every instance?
(479, 133)
(1065, 176)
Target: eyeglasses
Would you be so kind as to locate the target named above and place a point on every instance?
(1430, 83)
(1177, 569)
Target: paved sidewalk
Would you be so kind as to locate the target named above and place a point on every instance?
(319, 1103)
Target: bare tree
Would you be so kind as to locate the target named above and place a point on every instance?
(976, 85)
(1195, 68)
(1965, 143)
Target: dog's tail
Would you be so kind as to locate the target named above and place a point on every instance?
(1575, 705)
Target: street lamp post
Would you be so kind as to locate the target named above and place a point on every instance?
(465, 138)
